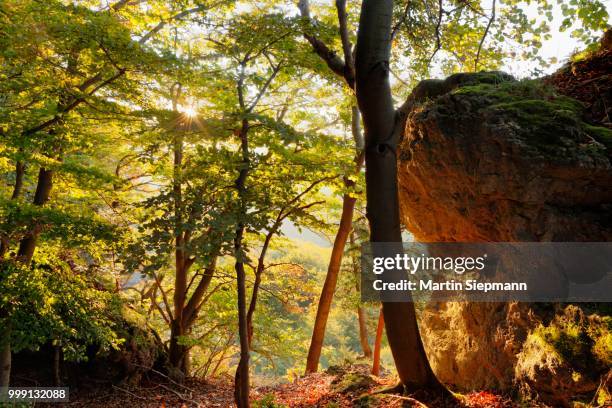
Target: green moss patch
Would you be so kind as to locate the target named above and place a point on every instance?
(543, 116)
(570, 341)
(601, 134)
(581, 342)
(352, 383)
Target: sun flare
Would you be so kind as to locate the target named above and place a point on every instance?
(190, 111)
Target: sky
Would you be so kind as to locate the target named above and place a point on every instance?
(561, 45)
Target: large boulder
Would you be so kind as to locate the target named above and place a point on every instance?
(488, 158)
(511, 161)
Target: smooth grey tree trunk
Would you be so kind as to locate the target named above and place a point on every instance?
(383, 127)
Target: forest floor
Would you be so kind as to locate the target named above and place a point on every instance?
(335, 388)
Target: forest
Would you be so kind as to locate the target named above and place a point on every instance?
(186, 186)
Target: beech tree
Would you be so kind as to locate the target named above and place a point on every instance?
(428, 34)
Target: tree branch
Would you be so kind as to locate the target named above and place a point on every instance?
(347, 48)
(437, 33)
(191, 307)
(484, 36)
(265, 87)
(401, 21)
(329, 56)
(164, 296)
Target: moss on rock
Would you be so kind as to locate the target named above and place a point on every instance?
(540, 113)
(566, 357)
(352, 382)
(582, 341)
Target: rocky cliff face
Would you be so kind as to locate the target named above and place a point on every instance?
(488, 158)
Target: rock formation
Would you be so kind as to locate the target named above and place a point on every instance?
(488, 158)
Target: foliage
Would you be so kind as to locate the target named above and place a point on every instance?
(48, 302)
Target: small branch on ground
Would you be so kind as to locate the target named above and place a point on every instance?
(131, 393)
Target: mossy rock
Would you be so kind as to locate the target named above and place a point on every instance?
(352, 382)
(140, 351)
(543, 117)
(431, 88)
(583, 341)
(565, 359)
(601, 134)
(335, 370)
(544, 122)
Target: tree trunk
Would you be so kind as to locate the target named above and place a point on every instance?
(335, 261)
(17, 188)
(43, 191)
(377, 342)
(186, 363)
(4, 246)
(57, 360)
(383, 126)
(176, 351)
(191, 310)
(329, 287)
(257, 283)
(241, 393)
(252, 306)
(183, 316)
(363, 332)
(361, 312)
(19, 173)
(25, 253)
(241, 386)
(5, 360)
(346, 70)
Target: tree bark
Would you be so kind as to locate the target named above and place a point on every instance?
(377, 342)
(191, 310)
(256, 284)
(17, 188)
(176, 351)
(335, 261)
(329, 287)
(43, 191)
(186, 362)
(57, 360)
(19, 174)
(383, 126)
(185, 310)
(361, 313)
(5, 360)
(363, 332)
(241, 388)
(346, 70)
